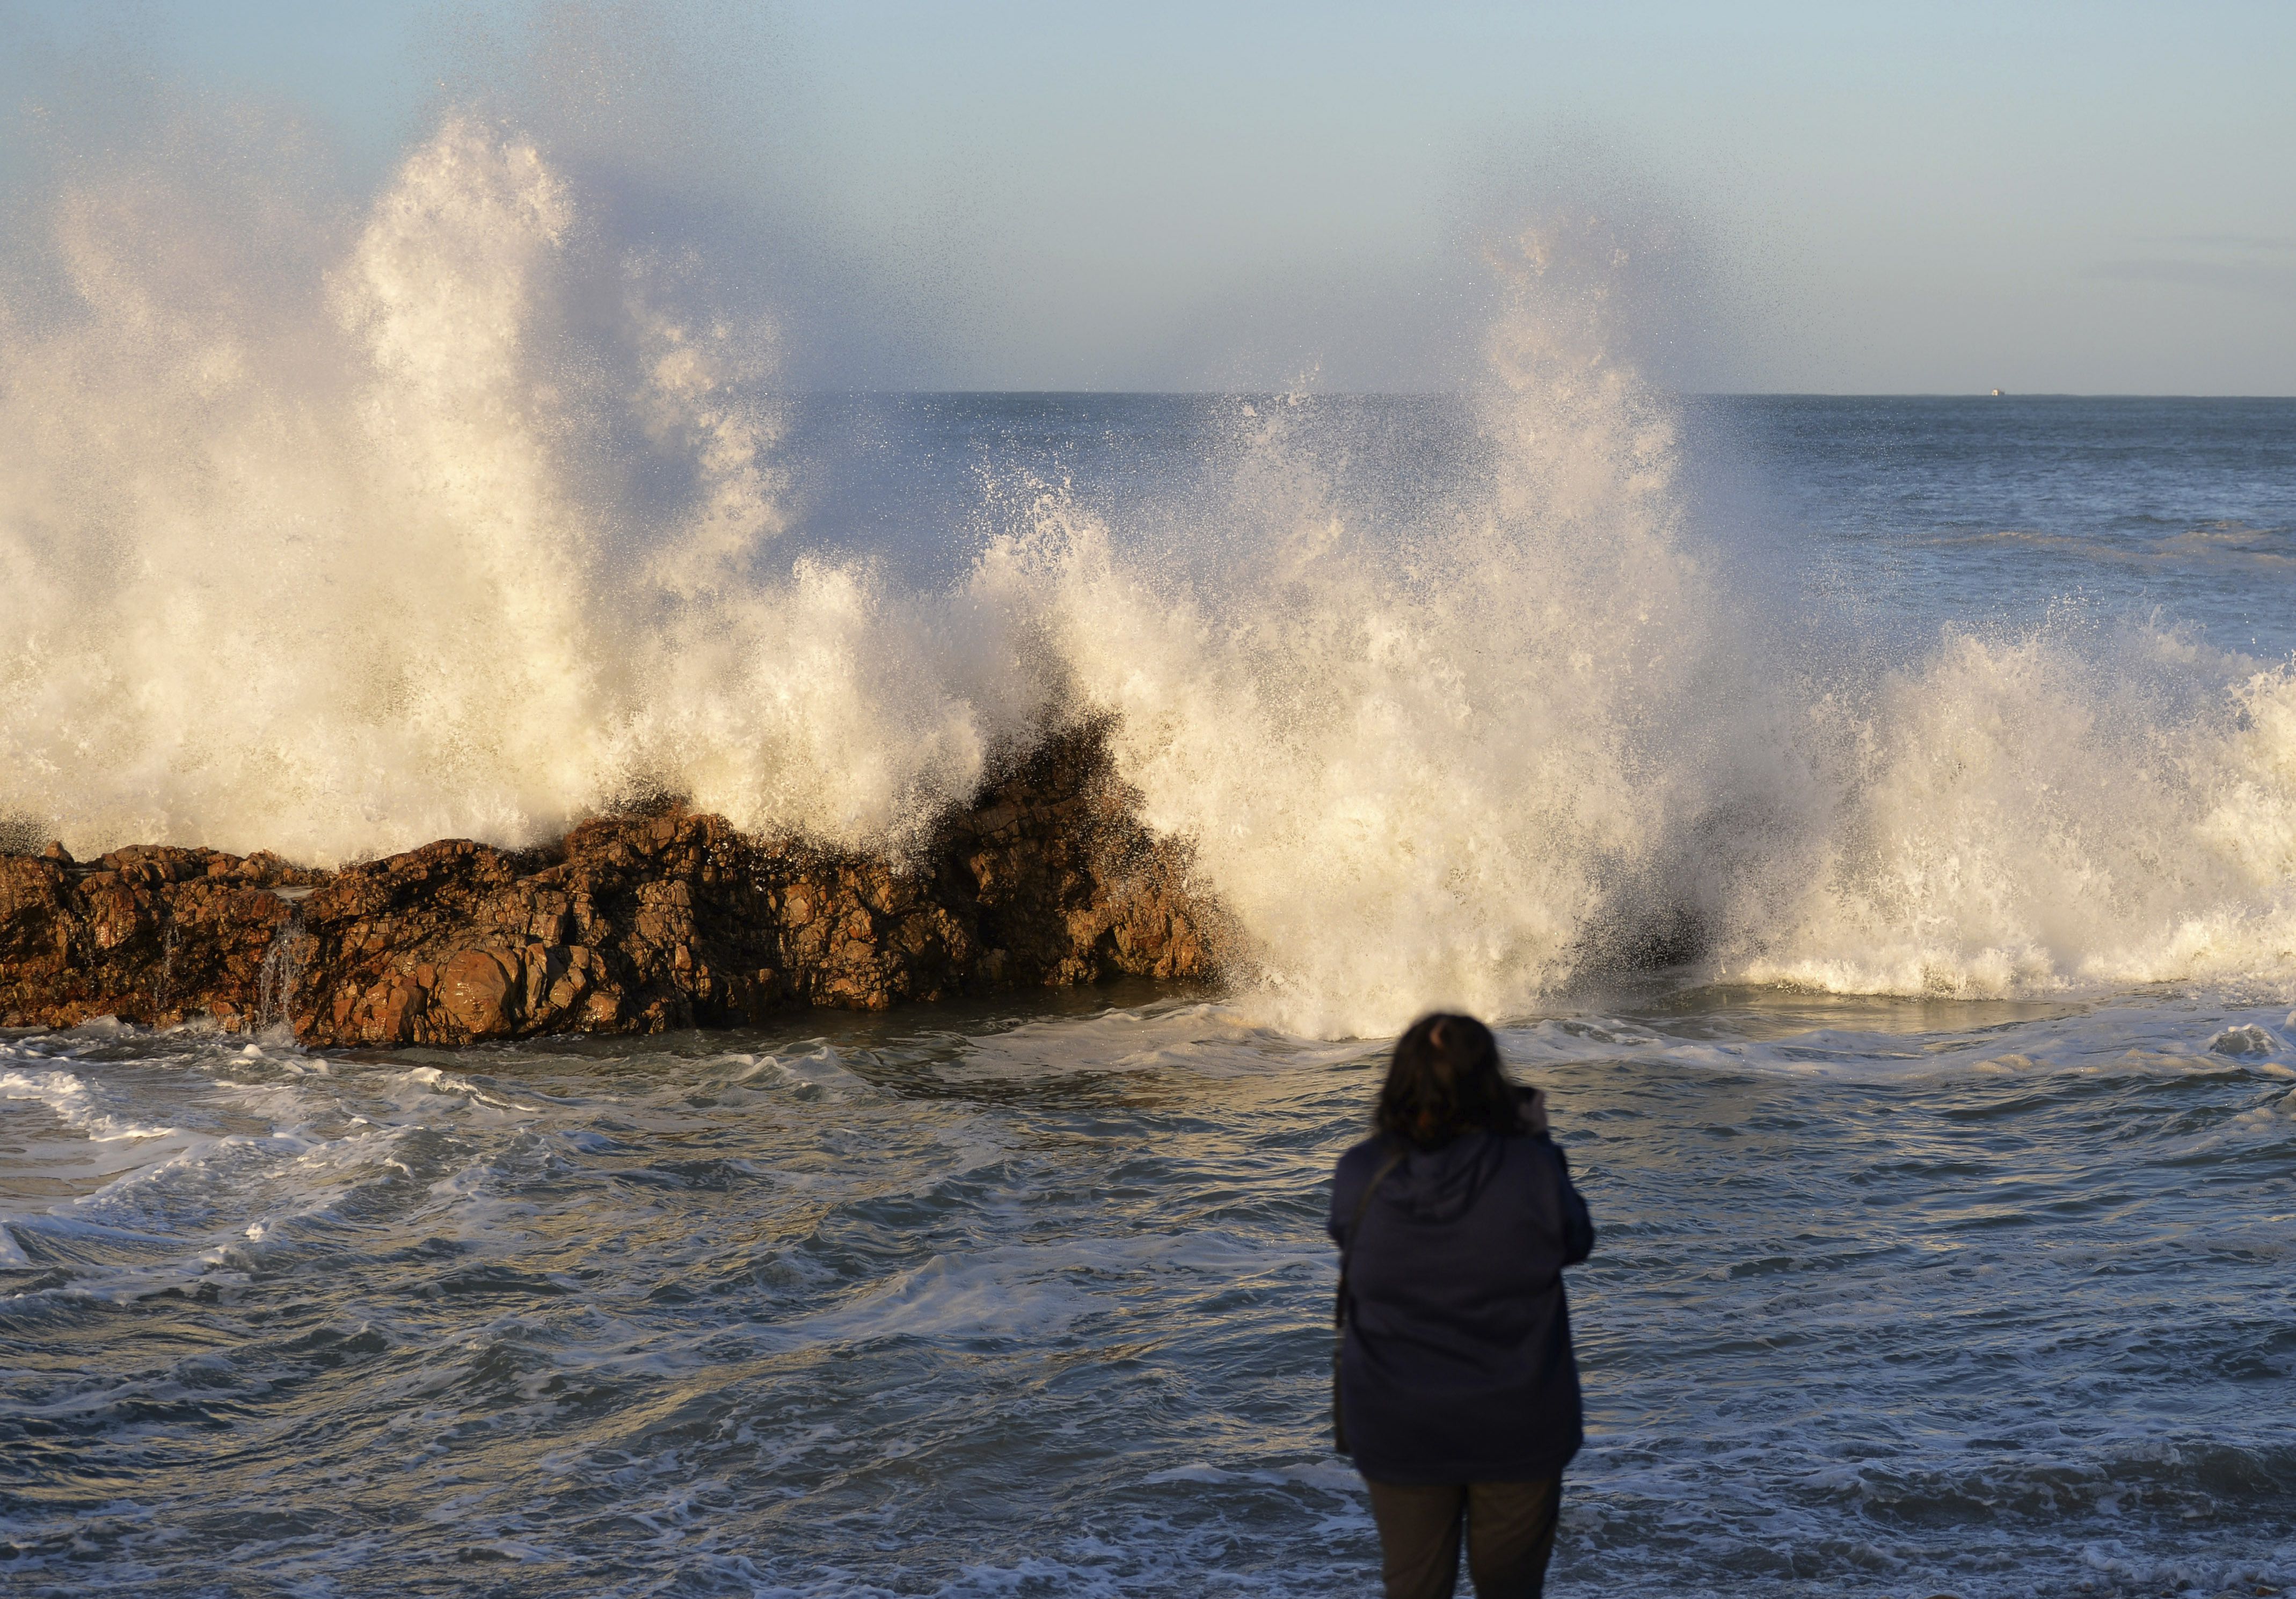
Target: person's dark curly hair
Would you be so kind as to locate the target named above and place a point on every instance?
(1444, 1079)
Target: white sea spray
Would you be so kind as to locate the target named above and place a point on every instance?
(337, 563)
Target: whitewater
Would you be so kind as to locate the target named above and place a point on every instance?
(1874, 823)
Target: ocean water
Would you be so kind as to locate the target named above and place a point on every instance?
(1872, 820)
(1889, 1296)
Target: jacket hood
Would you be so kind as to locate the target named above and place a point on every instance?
(1438, 1184)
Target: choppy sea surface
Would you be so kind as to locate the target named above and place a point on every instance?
(1906, 1296)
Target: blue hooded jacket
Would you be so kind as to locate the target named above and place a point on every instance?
(1456, 1365)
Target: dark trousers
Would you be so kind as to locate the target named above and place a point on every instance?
(1510, 1529)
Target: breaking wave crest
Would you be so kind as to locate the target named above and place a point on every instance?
(2025, 815)
(333, 535)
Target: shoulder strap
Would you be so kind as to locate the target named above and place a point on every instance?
(1355, 1229)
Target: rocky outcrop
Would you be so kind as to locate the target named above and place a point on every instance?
(630, 924)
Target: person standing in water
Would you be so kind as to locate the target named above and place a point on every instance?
(1455, 1386)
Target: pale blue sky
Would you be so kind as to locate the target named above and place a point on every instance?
(1930, 198)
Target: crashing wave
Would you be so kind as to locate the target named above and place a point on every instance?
(460, 518)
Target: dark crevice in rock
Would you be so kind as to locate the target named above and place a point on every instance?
(642, 921)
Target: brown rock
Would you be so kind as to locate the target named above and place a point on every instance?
(477, 991)
(629, 923)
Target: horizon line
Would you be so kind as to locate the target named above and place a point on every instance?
(1296, 394)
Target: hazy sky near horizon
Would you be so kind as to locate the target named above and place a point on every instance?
(1941, 198)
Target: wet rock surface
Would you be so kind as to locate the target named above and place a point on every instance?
(629, 923)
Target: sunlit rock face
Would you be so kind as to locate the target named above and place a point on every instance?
(632, 922)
